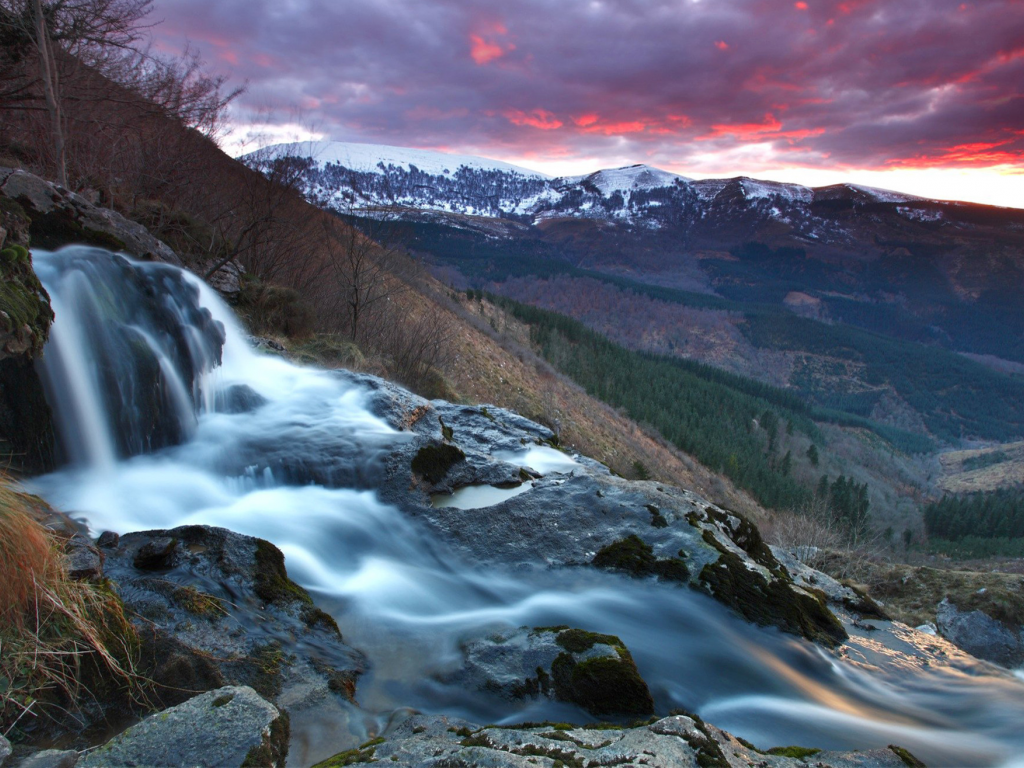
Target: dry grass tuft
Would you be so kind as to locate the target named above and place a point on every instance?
(61, 641)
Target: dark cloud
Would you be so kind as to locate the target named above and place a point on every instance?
(830, 83)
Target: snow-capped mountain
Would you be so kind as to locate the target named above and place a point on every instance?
(352, 177)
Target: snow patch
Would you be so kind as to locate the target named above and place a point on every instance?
(369, 157)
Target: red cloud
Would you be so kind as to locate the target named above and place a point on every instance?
(721, 45)
(483, 46)
(800, 6)
(538, 118)
(743, 130)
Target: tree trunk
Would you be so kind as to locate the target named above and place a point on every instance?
(48, 74)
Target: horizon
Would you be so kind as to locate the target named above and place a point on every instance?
(912, 96)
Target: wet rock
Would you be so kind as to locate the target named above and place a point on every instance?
(981, 635)
(231, 726)
(581, 515)
(222, 610)
(156, 554)
(671, 742)
(84, 561)
(240, 398)
(59, 217)
(593, 671)
(48, 758)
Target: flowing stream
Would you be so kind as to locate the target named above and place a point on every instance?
(151, 437)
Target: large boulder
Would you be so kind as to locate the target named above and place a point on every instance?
(981, 635)
(671, 742)
(193, 588)
(228, 728)
(58, 217)
(580, 515)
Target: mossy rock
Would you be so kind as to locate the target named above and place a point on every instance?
(23, 300)
(770, 602)
(908, 759)
(602, 686)
(799, 753)
(271, 582)
(273, 751)
(636, 557)
(432, 462)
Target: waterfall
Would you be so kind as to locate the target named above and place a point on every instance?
(166, 417)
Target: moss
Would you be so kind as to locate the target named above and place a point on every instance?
(747, 537)
(199, 603)
(446, 432)
(432, 462)
(315, 618)
(462, 731)
(907, 758)
(273, 751)
(634, 556)
(265, 662)
(774, 602)
(221, 701)
(798, 753)
(580, 641)
(23, 299)
(602, 686)
(350, 757)
(709, 753)
(270, 578)
(657, 519)
(864, 605)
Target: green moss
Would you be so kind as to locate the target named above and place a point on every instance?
(657, 519)
(602, 686)
(709, 754)
(351, 757)
(747, 537)
(798, 753)
(580, 641)
(774, 602)
(908, 759)
(315, 618)
(265, 662)
(432, 462)
(864, 605)
(23, 299)
(446, 432)
(634, 556)
(199, 603)
(270, 578)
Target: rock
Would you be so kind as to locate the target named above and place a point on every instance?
(227, 280)
(579, 516)
(156, 554)
(108, 539)
(190, 614)
(59, 217)
(981, 635)
(5, 749)
(84, 561)
(594, 671)
(231, 726)
(671, 742)
(49, 758)
(240, 398)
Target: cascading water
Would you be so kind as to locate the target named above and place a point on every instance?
(162, 426)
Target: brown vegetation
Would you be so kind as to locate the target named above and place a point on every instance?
(57, 636)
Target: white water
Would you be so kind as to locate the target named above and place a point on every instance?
(299, 470)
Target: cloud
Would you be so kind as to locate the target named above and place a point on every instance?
(820, 83)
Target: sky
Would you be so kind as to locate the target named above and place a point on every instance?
(922, 96)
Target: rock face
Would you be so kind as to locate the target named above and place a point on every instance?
(197, 592)
(583, 515)
(58, 217)
(981, 635)
(671, 742)
(594, 671)
(231, 726)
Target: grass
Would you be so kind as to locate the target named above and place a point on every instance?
(61, 641)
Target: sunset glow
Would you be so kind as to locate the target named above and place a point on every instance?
(921, 97)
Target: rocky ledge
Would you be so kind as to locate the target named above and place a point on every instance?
(670, 742)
